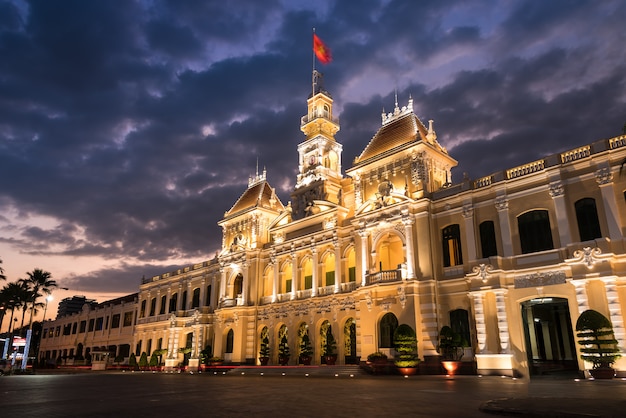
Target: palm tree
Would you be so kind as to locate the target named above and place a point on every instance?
(39, 281)
(13, 294)
(2, 276)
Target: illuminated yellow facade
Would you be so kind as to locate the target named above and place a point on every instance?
(509, 260)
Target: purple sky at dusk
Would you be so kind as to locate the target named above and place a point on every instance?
(128, 128)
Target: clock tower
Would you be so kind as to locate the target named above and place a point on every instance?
(319, 156)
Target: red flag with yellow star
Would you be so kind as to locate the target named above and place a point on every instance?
(322, 52)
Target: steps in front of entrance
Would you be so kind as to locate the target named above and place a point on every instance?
(337, 371)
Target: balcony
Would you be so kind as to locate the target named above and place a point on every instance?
(384, 276)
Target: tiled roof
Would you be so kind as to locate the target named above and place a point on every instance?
(257, 195)
(404, 130)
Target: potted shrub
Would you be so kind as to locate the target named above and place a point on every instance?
(143, 361)
(132, 362)
(451, 349)
(283, 351)
(405, 342)
(598, 343)
(306, 350)
(216, 361)
(377, 362)
(160, 353)
(330, 347)
(264, 351)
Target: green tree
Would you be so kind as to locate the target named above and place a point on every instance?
(132, 361)
(143, 360)
(597, 339)
(3, 277)
(405, 342)
(154, 360)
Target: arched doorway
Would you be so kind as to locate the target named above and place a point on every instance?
(549, 337)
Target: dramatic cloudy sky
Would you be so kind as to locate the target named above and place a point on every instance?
(127, 128)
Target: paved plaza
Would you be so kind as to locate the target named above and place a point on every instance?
(128, 394)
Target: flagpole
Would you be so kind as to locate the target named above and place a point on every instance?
(313, 72)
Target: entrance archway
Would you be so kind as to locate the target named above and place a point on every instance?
(549, 337)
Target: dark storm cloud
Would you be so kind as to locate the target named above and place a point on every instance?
(135, 128)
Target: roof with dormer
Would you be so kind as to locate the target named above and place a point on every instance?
(258, 195)
(400, 128)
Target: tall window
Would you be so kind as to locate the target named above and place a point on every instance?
(388, 325)
(208, 296)
(587, 218)
(238, 285)
(534, 231)
(183, 301)
(174, 302)
(487, 239)
(152, 306)
(142, 311)
(163, 305)
(451, 237)
(195, 299)
(229, 341)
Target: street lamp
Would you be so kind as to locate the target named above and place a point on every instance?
(48, 299)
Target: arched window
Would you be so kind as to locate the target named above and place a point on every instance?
(142, 310)
(587, 218)
(487, 239)
(534, 231)
(195, 299)
(229, 341)
(149, 347)
(307, 273)
(174, 303)
(388, 325)
(238, 285)
(451, 238)
(351, 261)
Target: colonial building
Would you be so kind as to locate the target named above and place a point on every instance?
(509, 260)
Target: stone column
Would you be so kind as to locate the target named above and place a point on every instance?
(468, 215)
(294, 274)
(503, 323)
(502, 206)
(338, 274)
(479, 319)
(560, 207)
(410, 252)
(364, 256)
(316, 268)
(276, 281)
(245, 282)
(604, 177)
(222, 294)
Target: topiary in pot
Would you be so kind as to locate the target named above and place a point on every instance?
(329, 347)
(132, 362)
(154, 361)
(264, 351)
(143, 361)
(306, 350)
(283, 351)
(598, 343)
(405, 342)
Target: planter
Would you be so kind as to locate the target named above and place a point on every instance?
(264, 360)
(331, 360)
(216, 363)
(306, 360)
(283, 361)
(407, 371)
(451, 366)
(602, 373)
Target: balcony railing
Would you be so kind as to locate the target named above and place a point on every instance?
(385, 276)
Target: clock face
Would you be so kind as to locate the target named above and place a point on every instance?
(311, 159)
